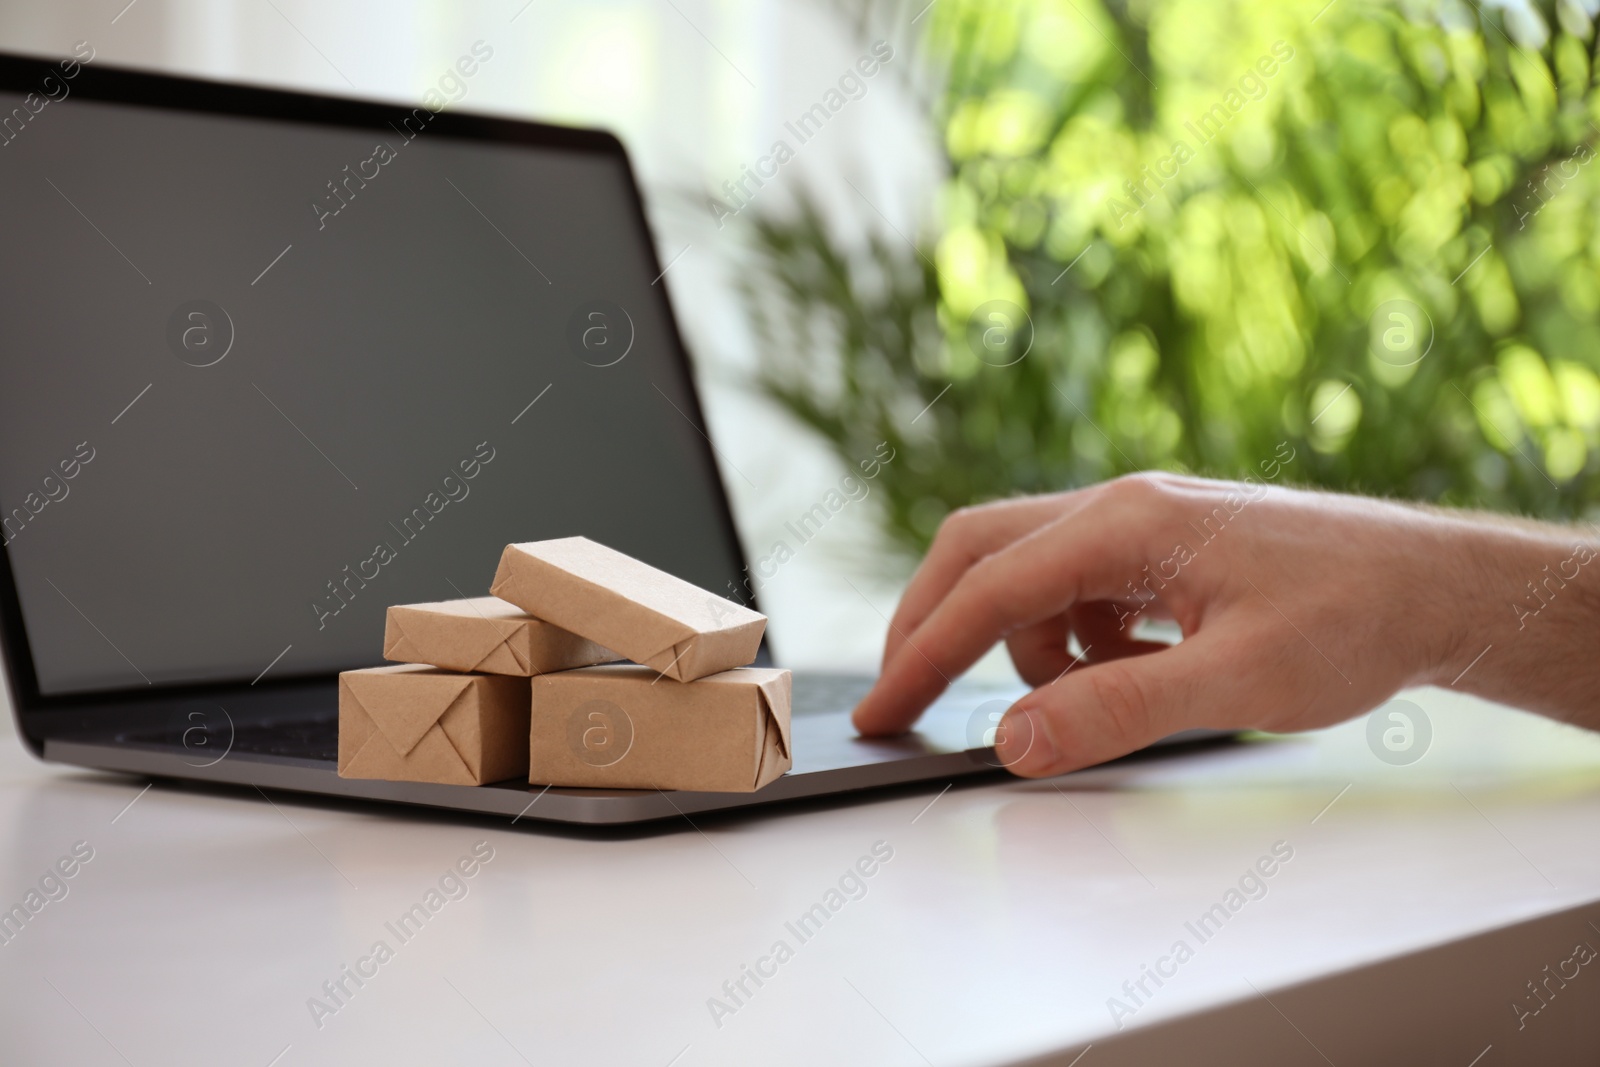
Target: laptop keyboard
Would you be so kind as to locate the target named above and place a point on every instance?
(316, 739)
(313, 739)
(816, 694)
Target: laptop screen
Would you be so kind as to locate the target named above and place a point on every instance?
(263, 378)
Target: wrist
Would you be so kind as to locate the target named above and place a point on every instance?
(1523, 614)
(1468, 593)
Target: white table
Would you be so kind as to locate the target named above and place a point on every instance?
(1009, 914)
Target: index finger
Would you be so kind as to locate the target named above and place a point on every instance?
(1088, 554)
(964, 538)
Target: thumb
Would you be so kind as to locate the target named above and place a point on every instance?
(1097, 713)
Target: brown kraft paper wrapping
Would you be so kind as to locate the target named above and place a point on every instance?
(484, 635)
(626, 727)
(616, 601)
(413, 723)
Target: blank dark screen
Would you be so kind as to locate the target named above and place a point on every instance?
(472, 351)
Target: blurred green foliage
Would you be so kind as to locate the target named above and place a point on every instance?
(1193, 308)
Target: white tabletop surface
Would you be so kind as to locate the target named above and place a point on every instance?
(1008, 915)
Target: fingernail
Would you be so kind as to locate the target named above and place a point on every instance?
(1023, 743)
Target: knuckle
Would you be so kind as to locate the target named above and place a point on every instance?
(957, 523)
(1149, 499)
(1142, 487)
(960, 535)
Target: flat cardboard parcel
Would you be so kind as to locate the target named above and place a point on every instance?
(484, 635)
(627, 727)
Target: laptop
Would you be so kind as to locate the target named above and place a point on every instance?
(274, 362)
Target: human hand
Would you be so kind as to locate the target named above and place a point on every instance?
(1298, 610)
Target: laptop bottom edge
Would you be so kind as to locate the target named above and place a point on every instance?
(514, 800)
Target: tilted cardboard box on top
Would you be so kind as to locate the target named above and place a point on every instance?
(621, 603)
(627, 727)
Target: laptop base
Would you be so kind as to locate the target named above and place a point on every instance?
(829, 760)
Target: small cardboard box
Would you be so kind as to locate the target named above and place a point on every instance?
(416, 724)
(626, 727)
(484, 635)
(646, 614)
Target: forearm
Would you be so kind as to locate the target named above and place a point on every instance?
(1526, 629)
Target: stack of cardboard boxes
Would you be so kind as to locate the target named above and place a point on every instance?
(527, 681)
